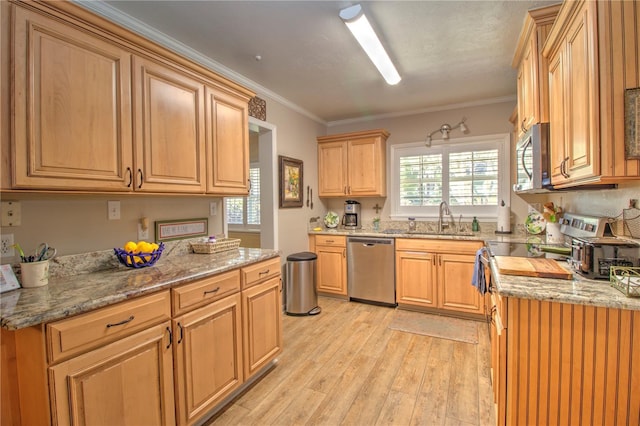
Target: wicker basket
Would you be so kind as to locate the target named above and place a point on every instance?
(223, 244)
(626, 279)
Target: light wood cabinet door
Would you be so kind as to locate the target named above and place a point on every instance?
(126, 382)
(455, 291)
(72, 93)
(208, 357)
(416, 278)
(366, 167)
(557, 134)
(262, 322)
(331, 269)
(581, 91)
(227, 144)
(527, 87)
(574, 100)
(332, 169)
(353, 164)
(169, 129)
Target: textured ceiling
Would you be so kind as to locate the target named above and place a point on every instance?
(447, 52)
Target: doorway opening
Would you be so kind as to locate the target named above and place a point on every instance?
(255, 218)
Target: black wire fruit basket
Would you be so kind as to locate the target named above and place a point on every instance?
(138, 260)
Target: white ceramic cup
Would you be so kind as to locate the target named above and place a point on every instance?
(34, 274)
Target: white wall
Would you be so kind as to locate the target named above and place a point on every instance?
(296, 138)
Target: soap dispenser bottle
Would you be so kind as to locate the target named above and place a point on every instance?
(475, 226)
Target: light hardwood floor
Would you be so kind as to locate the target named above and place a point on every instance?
(345, 366)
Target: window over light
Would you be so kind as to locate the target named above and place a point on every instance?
(471, 174)
(245, 211)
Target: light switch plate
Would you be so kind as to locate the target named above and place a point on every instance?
(113, 210)
(213, 208)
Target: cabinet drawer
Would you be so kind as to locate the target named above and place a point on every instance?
(331, 240)
(440, 246)
(253, 274)
(204, 291)
(69, 337)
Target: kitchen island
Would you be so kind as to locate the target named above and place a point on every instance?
(564, 351)
(166, 344)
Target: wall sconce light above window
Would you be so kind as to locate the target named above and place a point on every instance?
(355, 19)
(445, 129)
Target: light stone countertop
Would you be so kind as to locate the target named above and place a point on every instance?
(577, 291)
(76, 293)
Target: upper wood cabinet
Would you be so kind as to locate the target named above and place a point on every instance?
(72, 99)
(353, 164)
(100, 109)
(227, 143)
(592, 51)
(532, 68)
(169, 129)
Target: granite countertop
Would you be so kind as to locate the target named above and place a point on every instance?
(401, 233)
(577, 291)
(77, 293)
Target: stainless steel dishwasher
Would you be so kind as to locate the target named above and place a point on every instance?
(371, 270)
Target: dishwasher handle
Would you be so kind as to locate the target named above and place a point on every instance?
(370, 242)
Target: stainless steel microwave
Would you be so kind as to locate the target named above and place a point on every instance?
(532, 161)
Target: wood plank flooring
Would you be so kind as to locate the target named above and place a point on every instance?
(346, 367)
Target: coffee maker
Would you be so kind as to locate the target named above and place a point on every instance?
(351, 218)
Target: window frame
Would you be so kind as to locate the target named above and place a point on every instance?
(475, 143)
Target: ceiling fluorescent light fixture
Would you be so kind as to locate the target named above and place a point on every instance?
(361, 29)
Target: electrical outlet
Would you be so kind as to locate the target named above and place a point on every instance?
(6, 246)
(113, 210)
(143, 234)
(213, 208)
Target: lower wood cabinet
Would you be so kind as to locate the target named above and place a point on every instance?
(126, 382)
(416, 278)
(208, 357)
(161, 359)
(437, 274)
(331, 265)
(262, 322)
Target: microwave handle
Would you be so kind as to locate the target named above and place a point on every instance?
(524, 149)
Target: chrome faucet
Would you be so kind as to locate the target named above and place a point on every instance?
(444, 210)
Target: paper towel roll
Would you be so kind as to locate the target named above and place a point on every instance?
(504, 219)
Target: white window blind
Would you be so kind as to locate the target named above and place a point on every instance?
(467, 173)
(246, 210)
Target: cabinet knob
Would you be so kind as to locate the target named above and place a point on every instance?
(141, 178)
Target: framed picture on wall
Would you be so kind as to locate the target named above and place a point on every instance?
(291, 182)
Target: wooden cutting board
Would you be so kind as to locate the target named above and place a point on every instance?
(531, 267)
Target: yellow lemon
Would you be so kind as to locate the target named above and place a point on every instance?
(154, 246)
(130, 247)
(144, 247)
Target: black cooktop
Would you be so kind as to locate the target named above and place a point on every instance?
(528, 249)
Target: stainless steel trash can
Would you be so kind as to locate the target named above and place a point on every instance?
(301, 295)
